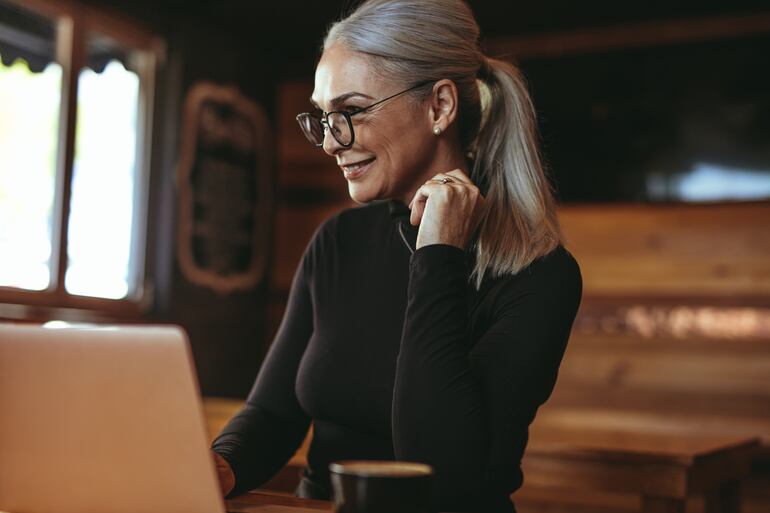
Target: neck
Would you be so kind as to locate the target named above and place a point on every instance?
(447, 158)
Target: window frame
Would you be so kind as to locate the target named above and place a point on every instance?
(74, 20)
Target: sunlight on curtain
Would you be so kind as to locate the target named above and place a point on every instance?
(29, 118)
(101, 216)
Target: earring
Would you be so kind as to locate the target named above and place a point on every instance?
(436, 130)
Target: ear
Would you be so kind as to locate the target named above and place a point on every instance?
(443, 104)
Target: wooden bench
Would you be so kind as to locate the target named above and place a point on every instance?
(626, 390)
(661, 471)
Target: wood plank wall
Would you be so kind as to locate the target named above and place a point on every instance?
(678, 253)
(675, 250)
(310, 188)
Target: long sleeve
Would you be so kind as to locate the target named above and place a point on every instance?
(267, 431)
(465, 409)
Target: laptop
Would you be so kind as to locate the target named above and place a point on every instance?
(102, 420)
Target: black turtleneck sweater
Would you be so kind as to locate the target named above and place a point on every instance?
(394, 355)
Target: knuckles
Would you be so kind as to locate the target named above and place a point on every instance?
(459, 189)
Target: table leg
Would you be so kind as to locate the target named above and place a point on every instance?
(662, 505)
(727, 499)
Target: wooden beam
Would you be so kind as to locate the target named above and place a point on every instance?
(634, 35)
(126, 30)
(71, 56)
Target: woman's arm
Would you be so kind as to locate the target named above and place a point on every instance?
(261, 438)
(465, 409)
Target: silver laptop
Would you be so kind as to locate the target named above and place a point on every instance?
(102, 420)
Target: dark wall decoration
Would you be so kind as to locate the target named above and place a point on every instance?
(224, 181)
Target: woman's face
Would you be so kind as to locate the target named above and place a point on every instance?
(393, 146)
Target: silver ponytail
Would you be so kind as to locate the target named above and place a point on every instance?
(430, 40)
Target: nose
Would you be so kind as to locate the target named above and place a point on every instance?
(330, 144)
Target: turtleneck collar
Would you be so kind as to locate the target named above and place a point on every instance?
(399, 214)
(398, 211)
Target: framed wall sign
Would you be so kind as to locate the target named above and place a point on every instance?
(224, 183)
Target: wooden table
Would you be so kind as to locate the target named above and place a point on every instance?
(663, 469)
(269, 502)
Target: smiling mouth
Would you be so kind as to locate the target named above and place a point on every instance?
(353, 171)
(352, 168)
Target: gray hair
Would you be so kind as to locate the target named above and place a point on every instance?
(428, 40)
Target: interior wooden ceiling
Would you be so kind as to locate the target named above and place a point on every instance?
(496, 17)
(292, 29)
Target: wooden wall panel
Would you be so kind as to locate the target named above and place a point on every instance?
(697, 366)
(650, 253)
(310, 189)
(293, 98)
(683, 250)
(713, 250)
(697, 384)
(301, 166)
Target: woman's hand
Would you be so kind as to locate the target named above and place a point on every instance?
(224, 473)
(447, 207)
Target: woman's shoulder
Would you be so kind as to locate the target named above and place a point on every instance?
(346, 223)
(552, 282)
(559, 261)
(556, 272)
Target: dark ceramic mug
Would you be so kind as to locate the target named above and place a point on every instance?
(382, 487)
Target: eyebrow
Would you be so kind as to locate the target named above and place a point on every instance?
(342, 98)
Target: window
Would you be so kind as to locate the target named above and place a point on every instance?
(76, 94)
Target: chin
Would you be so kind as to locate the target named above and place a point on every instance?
(361, 194)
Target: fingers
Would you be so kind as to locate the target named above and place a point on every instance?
(418, 204)
(224, 474)
(420, 199)
(455, 175)
(455, 179)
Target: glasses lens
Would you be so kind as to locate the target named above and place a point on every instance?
(312, 128)
(340, 127)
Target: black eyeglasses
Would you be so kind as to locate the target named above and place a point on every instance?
(338, 121)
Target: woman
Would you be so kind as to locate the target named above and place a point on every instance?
(428, 327)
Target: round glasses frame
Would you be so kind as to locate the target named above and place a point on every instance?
(308, 121)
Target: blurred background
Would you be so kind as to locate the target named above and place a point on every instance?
(655, 122)
(151, 171)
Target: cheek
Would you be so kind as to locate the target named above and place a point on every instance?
(399, 141)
